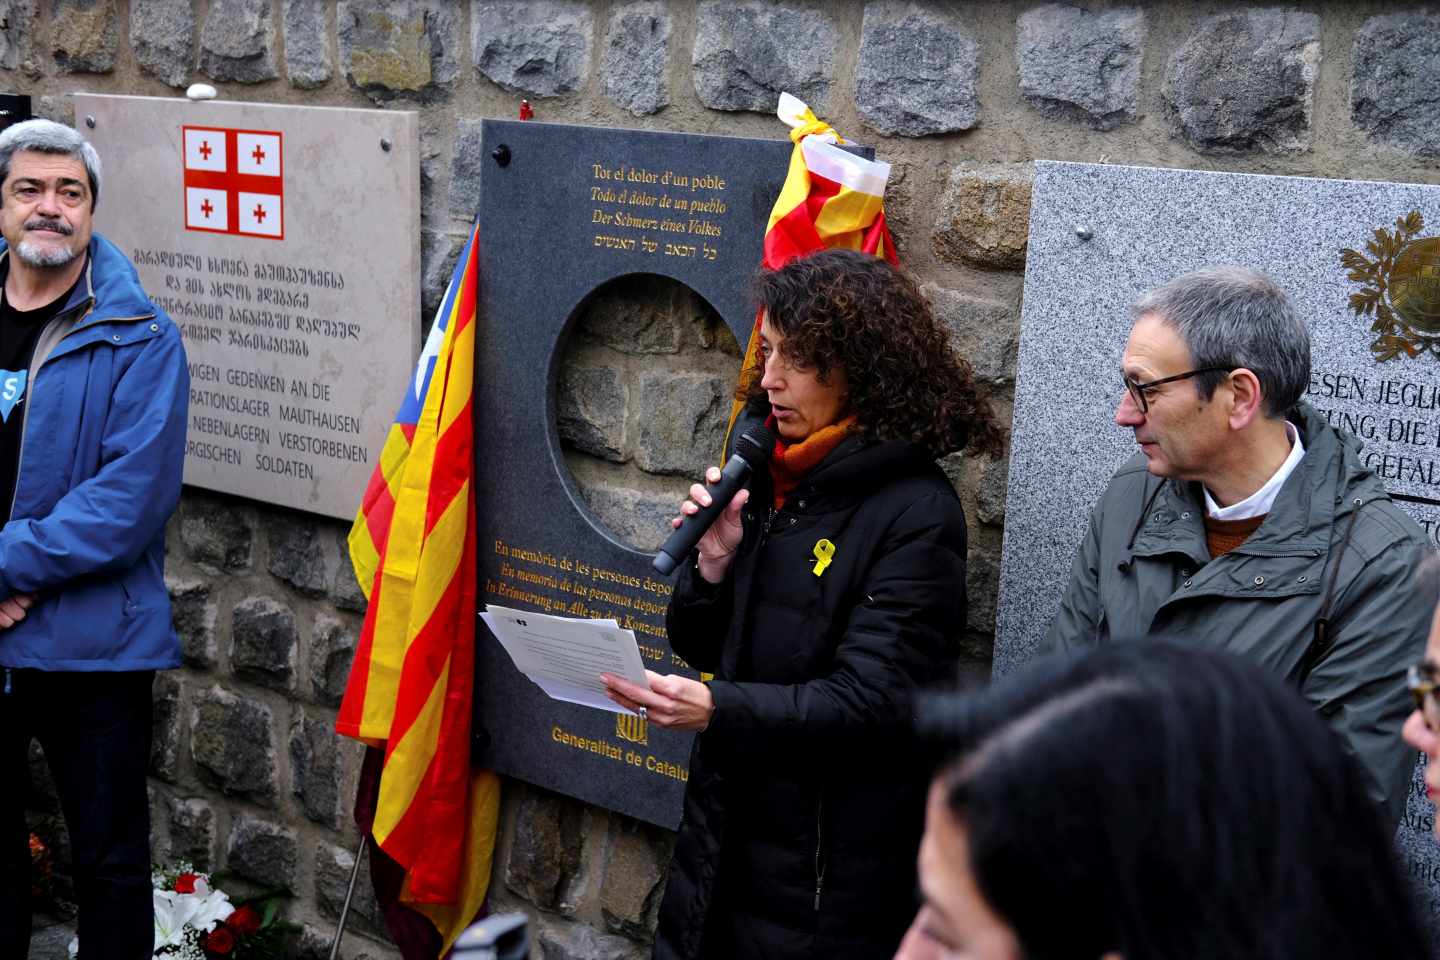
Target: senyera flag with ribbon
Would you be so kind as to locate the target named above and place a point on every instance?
(409, 692)
(831, 198)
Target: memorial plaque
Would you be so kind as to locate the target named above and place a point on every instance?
(564, 210)
(284, 243)
(1100, 236)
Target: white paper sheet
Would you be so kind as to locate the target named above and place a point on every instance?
(564, 656)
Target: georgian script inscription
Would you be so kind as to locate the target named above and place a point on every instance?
(661, 213)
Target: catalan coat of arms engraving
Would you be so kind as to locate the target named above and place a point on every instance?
(1400, 288)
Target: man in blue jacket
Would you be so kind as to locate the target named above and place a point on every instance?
(93, 398)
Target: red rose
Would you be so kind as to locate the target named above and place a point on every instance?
(244, 921)
(220, 941)
(185, 883)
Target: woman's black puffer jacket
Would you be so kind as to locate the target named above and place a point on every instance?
(806, 797)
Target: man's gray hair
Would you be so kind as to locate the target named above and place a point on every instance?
(1231, 317)
(47, 136)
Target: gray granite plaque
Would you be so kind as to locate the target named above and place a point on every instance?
(1145, 226)
(563, 210)
(284, 242)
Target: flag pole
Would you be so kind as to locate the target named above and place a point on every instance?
(349, 895)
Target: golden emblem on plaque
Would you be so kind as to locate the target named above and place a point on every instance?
(1400, 288)
(632, 728)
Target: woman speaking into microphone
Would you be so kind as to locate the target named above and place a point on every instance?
(824, 596)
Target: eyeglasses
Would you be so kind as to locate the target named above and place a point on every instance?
(1137, 390)
(1420, 681)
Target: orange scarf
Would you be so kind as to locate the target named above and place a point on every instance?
(789, 464)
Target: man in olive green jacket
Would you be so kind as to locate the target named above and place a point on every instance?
(1248, 523)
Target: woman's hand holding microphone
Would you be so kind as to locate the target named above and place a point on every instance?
(717, 547)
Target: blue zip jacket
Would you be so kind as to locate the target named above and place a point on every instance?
(100, 469)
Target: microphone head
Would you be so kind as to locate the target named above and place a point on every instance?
(756, 445)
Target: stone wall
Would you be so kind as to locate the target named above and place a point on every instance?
(959, 97)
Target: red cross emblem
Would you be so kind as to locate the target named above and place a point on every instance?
(234, 181)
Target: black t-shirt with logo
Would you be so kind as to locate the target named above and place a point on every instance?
(19, 332)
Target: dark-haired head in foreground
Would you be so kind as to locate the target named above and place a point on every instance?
(1147, 801)
(848, 313)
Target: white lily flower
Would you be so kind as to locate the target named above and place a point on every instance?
(213, 908)
(172, 912)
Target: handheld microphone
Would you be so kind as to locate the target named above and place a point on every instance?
(752, 451)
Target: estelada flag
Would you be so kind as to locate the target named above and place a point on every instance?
(413, 549)
(831, 198)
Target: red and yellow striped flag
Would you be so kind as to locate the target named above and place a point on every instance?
(830, 198)
(413, 549)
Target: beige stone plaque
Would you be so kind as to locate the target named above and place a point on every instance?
(284, 242)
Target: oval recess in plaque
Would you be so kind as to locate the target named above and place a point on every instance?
(640, 394)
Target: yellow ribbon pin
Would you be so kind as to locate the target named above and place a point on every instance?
(824, 551)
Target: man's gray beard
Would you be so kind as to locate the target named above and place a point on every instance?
(40, 256)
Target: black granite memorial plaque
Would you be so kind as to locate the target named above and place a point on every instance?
(563, 210)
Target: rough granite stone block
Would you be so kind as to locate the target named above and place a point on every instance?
(627, 317)
(984, 217)
(590, 410)
(747, 53)
(634, 878)
(545, 855)
(332, 878)
(1396, 72)
(982, 579)
(263, 642)
(299, 547)
(84, 35)
(399, 48)
(194, 618)
(315, 769)
(166, 728)
(313, 943)
(331, 650)
(192, 831)
(345, 591)
(17, 40)
(990, 491)
(637, 53)
(1244, 82)
(162, 36)
(439, 252)
(686, 439)
(60, 108)
(1079, 65)
(917, 71)
(633, 517)
(579, 942)
(233, 745)
(237, 42)
(537, 47)
(465, 169)
(984, 332)
(216, 531)
(264, 852)
(307, 42)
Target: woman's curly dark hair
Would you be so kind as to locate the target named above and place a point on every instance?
(854, 311)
